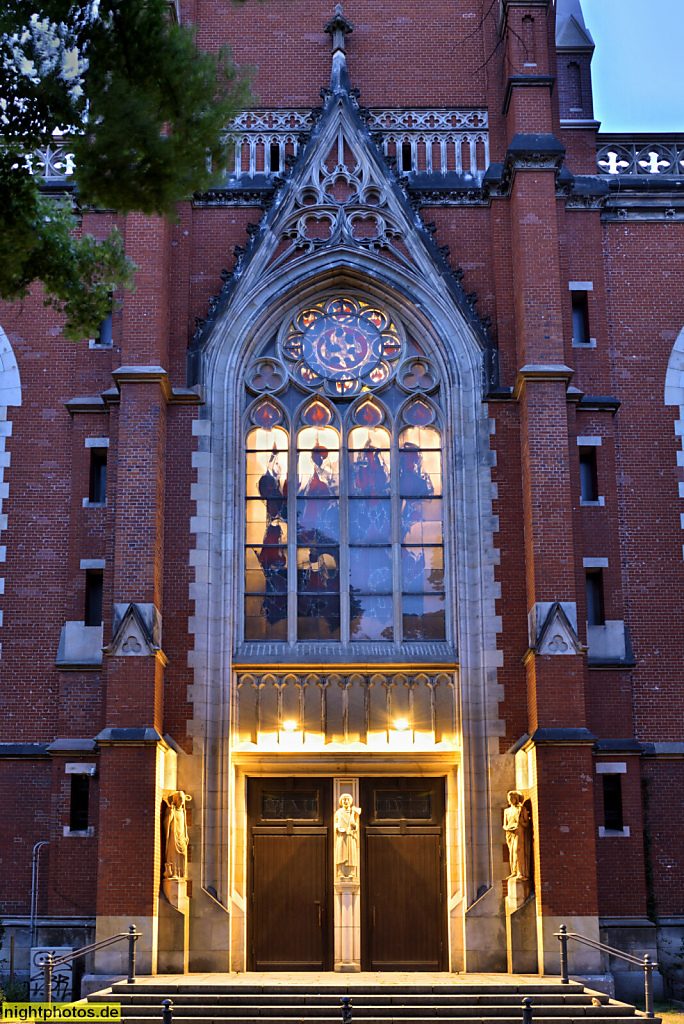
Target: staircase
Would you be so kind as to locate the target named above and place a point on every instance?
(376, 999)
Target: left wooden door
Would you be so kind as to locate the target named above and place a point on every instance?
(290, 921)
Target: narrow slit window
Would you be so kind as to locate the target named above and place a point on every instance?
(275, 157)
(580, 318)
(575, 87)
(588, 473)
(80, 798)
(612, 802)
(595, 606)
(93, 597)
(104, 336)
(97, 491)
(406, 156)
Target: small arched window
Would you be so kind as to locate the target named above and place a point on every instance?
(352, 550)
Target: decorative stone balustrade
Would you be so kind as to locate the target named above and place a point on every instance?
(432, 142)
(384, 710)
(424, 142)
(620, 154)
(55, 162)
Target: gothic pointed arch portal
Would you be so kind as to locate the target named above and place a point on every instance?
(344, 591)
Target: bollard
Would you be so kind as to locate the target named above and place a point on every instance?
(47, 978)
(563, 939)
(167, 1011)
(346, 1009)
(648, 985)
(527, 1010)
(133, 936)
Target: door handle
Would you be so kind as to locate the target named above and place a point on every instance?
(320, 913)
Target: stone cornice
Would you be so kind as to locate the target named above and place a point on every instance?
(532, 152)
(72, 746)
(598, 403)
(86, 403)
(143, 375)
(541, 372)
(525, 81)
(30, 750)
(560, 737)
(131, 737)
(156, 374)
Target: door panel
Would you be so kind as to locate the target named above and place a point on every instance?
(289, 921)
(289, 905)
(404, 902)
(404, 912)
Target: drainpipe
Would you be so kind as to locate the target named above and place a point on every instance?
(34, 889)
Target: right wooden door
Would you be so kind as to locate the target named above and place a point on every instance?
(403, 870)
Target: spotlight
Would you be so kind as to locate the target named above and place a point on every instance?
(401, 724)
(290, 725)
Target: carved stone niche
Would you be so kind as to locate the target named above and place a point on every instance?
(383, 709)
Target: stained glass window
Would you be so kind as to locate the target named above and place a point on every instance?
(363, 558)
(266, 534)
(318, 534)
(370, 529)
(422, 553)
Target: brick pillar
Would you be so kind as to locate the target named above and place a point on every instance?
(131, 763)
(561, 787)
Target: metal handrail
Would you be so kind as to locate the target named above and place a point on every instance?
(646, 964)
(50, 962)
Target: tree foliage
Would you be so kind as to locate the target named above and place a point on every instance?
(145, 113)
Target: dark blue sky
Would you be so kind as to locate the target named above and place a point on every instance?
(637, 70)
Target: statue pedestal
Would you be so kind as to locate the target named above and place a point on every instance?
(521, 927)
(176, 892)
(347, 925)
(174, 928)
(518, 891)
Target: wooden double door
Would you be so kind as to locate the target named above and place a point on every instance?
(291, 912)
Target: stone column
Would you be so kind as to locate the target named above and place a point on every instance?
(347, 890)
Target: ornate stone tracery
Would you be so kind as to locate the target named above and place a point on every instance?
(346, 707)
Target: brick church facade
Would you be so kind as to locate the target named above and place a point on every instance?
(372, 488)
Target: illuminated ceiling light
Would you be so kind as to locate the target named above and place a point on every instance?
(401, 724)
(290, 725)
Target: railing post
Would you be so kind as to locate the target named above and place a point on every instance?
(648, 985)
(346, 1009)
(563, 939)
(167, 1011)
(133, 936)
(47, 978)
(527, 1010)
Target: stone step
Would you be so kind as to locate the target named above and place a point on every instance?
(332, 999)
(539, 1018)
(461, 988)
(184, 1011)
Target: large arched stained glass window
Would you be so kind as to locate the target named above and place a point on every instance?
(352, 551)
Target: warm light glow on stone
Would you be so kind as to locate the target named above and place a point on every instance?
(401, 724)
(290, 725)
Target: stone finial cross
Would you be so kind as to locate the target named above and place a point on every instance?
(338, 27)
